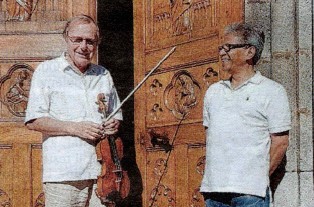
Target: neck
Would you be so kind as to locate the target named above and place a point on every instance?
(78, 69)
(242, 75)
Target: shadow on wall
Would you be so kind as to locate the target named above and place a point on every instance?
(277, 176)
(115, 19)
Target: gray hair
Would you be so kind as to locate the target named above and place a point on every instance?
(83, 19)
(249, 35)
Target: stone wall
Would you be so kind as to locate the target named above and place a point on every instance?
(287, 58)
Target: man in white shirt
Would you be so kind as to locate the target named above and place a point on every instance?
(62, 106)
(247, 122)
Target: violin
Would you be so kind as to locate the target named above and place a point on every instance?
(113, 184)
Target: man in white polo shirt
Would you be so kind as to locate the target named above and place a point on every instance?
(247, 122)
(62, 105)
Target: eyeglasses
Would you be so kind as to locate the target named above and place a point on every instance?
(228, 47)
(79, 40)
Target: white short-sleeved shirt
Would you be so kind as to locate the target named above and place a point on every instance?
(239, 124)
(59, 92)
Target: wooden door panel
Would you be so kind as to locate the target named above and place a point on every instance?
(185, 55)
(36, 173)
(6, 173)
(178, 87)
(196, 165)
(179, 188)
(21, 174)
(36, 45)
(20, 165)
(160, 193)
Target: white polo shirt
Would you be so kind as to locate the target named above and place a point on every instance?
(59, 92)
(239, 124)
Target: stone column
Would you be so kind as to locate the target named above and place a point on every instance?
(305, 82)
(285, 70)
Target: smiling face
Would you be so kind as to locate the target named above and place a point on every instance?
(235, 58)
(81, 42)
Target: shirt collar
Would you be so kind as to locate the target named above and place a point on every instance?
(256, 79)
(66, 65)
(92, 69)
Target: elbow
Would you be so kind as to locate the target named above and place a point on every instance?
(30, 125)
(287, 143)
(284, 144)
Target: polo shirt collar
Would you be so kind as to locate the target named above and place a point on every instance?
(256, 79)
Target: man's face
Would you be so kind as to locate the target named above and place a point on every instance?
(232, 53)
(81, 44)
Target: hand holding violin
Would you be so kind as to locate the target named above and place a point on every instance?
(111, 127)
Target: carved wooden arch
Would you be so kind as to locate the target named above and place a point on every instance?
(14, 88)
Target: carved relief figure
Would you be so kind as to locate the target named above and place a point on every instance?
(14, 88)
(17, 96)
(181, 16)
(182, 94)
(20, 10)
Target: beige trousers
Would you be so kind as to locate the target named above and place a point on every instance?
(71, 194)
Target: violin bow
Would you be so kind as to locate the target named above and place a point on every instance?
(140, 84)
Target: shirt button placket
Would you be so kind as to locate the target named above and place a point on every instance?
(85, 98)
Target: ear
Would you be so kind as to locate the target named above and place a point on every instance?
(251, 51)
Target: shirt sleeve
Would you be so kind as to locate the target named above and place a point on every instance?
(206, 110)
(38, 102)
(278, 111)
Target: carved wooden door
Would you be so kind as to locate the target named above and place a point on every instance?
(169, 136)
(30, 32)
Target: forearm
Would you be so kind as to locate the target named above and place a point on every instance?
(51, 127)
(278, 148)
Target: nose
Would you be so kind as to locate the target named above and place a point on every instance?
(83, 44)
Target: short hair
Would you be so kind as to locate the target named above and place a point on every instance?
(84, 19)
(249, 35)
